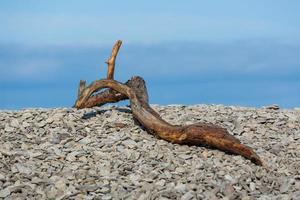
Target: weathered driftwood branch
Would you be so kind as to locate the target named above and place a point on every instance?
(81, 87)
(135, 90)
(111, 61)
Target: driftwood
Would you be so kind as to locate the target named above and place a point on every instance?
(135, 90)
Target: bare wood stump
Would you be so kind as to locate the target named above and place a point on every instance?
(135, 90)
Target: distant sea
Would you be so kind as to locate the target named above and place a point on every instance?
(253, 94)
(245, 73)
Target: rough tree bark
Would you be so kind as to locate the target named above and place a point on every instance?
(135, 90)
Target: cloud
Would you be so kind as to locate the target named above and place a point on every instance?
(255, 59)
(136, 27)
(35, 69)
(243, 72)
(18, 64)
(194, 61)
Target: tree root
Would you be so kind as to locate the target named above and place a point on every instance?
(135, 90)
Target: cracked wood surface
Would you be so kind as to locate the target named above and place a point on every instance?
(135, 90)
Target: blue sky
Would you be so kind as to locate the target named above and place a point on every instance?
(98, 22)
(229, 52)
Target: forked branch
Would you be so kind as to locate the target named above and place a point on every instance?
(111, 61)
(135, 90)
(81, 87)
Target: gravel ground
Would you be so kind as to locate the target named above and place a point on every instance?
(102, 153)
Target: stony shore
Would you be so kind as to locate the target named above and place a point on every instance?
(102, 153)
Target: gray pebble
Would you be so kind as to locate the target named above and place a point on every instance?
(4, 192)
(59, 154)
(187, 196)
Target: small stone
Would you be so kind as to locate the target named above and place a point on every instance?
(58, 116)
(180, 170)
(14, 123)
(91, 188)
(185, 156)
(180, 187)
(25, 124)
(35, 154)
(72, 156)
(51, 194)
(8, 128)
(276, 149)
(26, 115)
(246, 198)
(230, 178)
(85, 140)
(205, 153)
(87, 129)
(135, 178)
(106, 197)
(49, 120)
(60, 184)
(37, 180)
(41, 124)
(129, 143)
(23, 169)
(153, 154)
(187, 196)
(105, 172)
(4, 192)
(252, 186)
(168, 174)
(5, 152)
(272, 107)
(104, 190)
(284, 186)
(120, 125)
(229, 190)
(2, 177)
(160, 183)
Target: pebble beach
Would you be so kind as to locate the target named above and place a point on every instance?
(102, 153)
